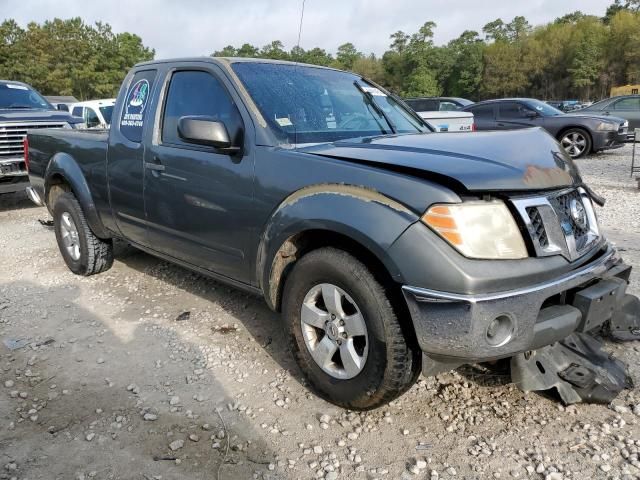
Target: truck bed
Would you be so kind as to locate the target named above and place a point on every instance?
(86, 148)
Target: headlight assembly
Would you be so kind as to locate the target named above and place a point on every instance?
(607, 127)
(483, 230)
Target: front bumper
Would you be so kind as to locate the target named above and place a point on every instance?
(608, 140)
(463, 328)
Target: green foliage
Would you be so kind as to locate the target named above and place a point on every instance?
(69, 57)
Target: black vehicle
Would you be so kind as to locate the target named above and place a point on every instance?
(388, 249)
(624, 106)
(579, 134)
(22, 109)
(437, 104)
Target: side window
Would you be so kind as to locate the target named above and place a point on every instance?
(513, 110)
(627, 104)
(447, 106)
(483, 111)
(134, 110)
(198, 93)
(91, 117)
(77, 112)
(422, 105)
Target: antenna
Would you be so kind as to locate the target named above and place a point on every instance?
(300, 27)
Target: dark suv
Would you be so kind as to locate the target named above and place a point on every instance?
(578, 133)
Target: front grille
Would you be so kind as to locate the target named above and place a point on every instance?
(562, 206)
(563, 223)
(12, 136)
(539, 231)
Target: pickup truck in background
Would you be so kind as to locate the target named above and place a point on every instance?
(388, 249)
(95, 113)
(443, 113)
(22, 109)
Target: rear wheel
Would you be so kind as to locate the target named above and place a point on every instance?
(576, 142)
(83, 252)
(345, 334)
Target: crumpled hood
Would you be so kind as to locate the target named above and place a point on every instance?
(26, 115)
(517, 160)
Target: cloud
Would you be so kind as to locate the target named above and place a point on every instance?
(199, 27)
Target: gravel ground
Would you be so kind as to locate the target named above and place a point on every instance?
(152, 372)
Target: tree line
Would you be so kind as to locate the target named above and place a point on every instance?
(575, 56)
(69, 57)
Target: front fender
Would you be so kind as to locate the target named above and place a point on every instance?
(365, 216)
(65, 166)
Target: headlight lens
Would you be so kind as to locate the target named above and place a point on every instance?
(484, 230)
(607, 127)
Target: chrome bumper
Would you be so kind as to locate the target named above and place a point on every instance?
(460, 327)
(34, 196)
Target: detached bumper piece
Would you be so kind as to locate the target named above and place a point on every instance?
(576, 367)
(625, 322)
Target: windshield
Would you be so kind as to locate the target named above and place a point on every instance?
(16, 96)
(544, 109)
(106, 113)
(313, 105)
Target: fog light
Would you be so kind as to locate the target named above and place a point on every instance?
(499, 331)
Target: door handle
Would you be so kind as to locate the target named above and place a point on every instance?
(154, 166)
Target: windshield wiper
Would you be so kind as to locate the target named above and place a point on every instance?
(373, 104)
(18, 107)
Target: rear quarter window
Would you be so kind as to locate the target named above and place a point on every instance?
(482, 111)
(136, 102)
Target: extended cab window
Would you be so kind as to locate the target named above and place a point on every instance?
(77, 112)
(134, 110)
(197, 93)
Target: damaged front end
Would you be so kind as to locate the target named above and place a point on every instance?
(576, 366)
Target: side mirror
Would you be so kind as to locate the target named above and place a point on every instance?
(204, 131)
(62, 107)
(531, 114)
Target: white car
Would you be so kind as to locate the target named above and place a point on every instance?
(443, 113)
(96, 113)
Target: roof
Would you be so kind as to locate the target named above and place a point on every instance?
(15, 82)
(230, 60)
(97, 102)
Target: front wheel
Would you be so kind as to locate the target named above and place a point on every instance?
(345, 334)
(83, 252)
(576, 142)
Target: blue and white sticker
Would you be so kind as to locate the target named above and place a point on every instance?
(136, 103)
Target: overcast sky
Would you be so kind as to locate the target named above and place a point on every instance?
(199, 27)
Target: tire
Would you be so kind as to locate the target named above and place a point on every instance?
(576, 142)
(389, 362)
(83, 252)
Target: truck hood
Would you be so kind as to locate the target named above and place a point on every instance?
(520, 160)
(27, 115)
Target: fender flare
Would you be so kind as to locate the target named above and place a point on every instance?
(365, 216)
(65, 166)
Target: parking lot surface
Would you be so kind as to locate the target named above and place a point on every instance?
(150, 371)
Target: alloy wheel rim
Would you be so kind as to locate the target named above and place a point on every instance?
(574, 143)
(334, 331)
(70, 236)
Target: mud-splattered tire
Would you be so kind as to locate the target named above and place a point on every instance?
(373, 371)
(83, 252)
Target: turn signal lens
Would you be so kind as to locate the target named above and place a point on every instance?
(484, 230)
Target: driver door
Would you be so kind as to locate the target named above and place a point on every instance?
(198, 200)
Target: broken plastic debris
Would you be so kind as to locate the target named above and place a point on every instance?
(15, 343)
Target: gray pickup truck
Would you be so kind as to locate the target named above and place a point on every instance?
(23, 109)
(389, 249)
